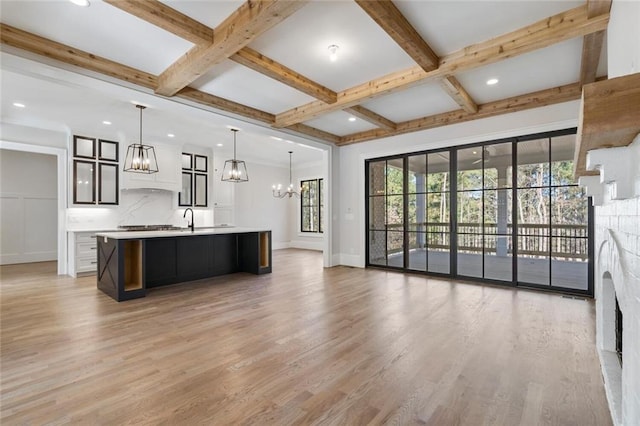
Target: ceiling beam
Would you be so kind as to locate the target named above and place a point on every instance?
(393, 22)
(267, 66)
(217, 102)
(555, 29)
(452, 86)
(309, 131)
(592, 43)
(371, 117)
(167, 18)
(245, 24)
(20, 39)
(538, 99)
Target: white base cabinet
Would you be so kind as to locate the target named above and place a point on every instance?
(83, 254)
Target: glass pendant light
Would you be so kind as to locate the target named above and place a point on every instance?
(141, 158)
(234, 170)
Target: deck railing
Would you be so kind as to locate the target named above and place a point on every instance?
(563, 242)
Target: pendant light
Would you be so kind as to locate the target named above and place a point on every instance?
(141, 158)
(277, 190)
(234, 170)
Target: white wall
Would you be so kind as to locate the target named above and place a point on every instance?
(28, 207)
(618, 244)
(350, 210)
(255, 207)
(623, 38)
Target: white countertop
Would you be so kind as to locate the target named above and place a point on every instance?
(135, 235)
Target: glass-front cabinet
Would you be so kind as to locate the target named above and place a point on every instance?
(194, 188)
(95, 171)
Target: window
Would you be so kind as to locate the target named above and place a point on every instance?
(311, 204)
(507, 211)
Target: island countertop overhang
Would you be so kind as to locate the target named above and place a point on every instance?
(186, 232)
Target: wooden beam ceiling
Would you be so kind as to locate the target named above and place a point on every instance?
(538, 99)
(393, 22)
(29, 42)
(555, 29)
(260, 63)
(179, 24)
(239, 29)
(587, 20)
(371, 117)
(592, 43)
(452, 86)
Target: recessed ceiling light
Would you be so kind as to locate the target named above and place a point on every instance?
(333, 52)
(219, 144)
(83, 3)
(492, 81)
(171, 135)
(475, 152)
(276, 138)
(108, 123)
(19, 105)
(352, 119)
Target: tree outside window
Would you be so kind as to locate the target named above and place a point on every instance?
(311, 205)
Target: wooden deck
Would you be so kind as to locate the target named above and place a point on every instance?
(303, 345)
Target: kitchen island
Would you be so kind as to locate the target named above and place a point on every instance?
(129, 263)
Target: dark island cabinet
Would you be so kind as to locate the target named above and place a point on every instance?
(161, 267)
(131, 266)
(120, 272)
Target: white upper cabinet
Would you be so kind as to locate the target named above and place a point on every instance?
(167, 177)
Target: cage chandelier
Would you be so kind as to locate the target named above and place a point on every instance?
(140, 158)
(234, 170)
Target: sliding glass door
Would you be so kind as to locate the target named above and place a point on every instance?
(516, 213)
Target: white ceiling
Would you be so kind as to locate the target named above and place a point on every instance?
(66, 100)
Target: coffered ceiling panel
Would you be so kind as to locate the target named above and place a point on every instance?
(452, 25)
(427, 99)
(100, 29)
(338, 123)
(301, 43)
(240, 84)
(209, 13)
(553, 66)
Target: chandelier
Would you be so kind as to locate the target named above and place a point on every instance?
(140, 158)
(234, 170)
(279, 193)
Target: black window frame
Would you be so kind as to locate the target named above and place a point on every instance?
(453, 243)
(319, 204)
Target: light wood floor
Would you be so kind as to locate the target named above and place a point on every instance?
(299, 346)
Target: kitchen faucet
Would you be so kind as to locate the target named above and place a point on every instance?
(185, 215)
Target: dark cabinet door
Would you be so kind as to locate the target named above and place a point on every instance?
(160, 267)
(194, 257)
(225, 254)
